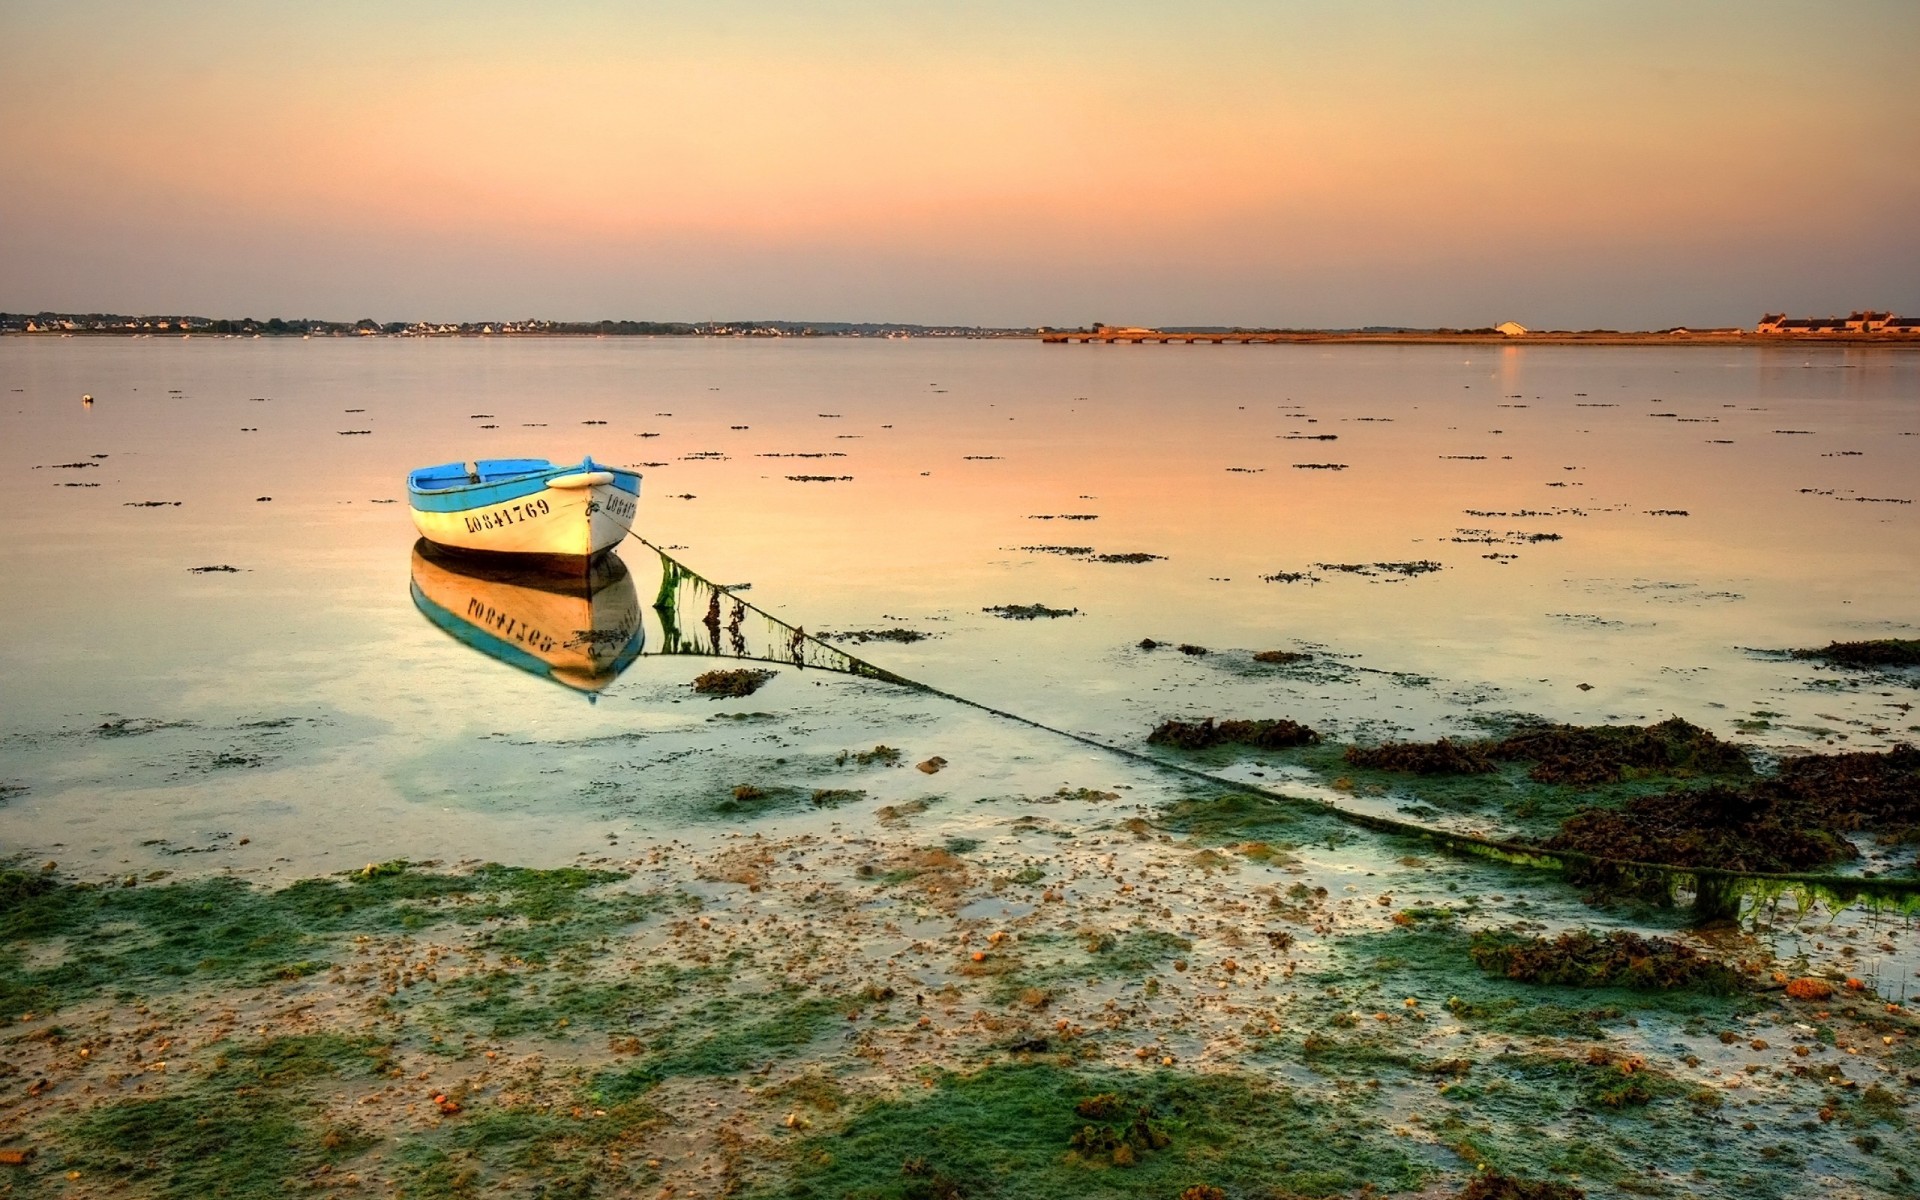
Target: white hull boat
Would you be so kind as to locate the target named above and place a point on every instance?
(524, 506)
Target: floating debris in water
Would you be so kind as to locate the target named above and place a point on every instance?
(1065, 517)
(862, 636)
(222, 568)
(1407, 570)
(1132, 557)
(151, 504)
(1319, 466)
(821, 478)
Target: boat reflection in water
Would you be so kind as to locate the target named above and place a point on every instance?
(583, 631)
(580, 630)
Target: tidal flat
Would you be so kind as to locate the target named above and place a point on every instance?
(301, 894)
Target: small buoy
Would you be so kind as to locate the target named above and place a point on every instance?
(86, 401)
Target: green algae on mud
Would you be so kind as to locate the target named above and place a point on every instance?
(1032, 974)
(1020, 1131)
(562, 1154)
(137, 940)
(241, 1128)
(254, 1123)
(724, 1037)
(1436, 963)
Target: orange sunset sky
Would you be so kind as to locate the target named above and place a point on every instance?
(1316, 164)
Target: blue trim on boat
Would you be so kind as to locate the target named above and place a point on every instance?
(495, 647)
(502, 481)
(484, 495)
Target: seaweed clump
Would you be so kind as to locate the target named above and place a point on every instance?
(1879, 652)
(1444, 757)
(730, 684)
(1583, 959)
(1578, 755)
(1593, 754)
(1861, 790)
(1492, 1185)
(1028, 612)
(1734, 829)
(1795, 821)
(1205, 734)
(1281, 657)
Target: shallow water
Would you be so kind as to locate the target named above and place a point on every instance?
(343, 698)
(954, 449)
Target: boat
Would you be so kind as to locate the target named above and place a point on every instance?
(524, 506)
(579, 629)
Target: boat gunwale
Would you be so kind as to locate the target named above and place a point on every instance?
(468, 495)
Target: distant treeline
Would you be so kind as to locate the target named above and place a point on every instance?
(118, 323)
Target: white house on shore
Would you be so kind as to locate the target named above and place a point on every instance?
(1511, 329)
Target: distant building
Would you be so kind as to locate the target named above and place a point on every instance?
(1511, 329)
(1858, 322)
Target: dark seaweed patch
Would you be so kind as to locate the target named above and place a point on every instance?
(1028, 612)
(863, 636)
(1576, 755)
(1879, 652)
(730, 684)
(1205, 734)
(1795, 821)
(1444, 757)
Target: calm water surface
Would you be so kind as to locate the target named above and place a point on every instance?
(1619, 534)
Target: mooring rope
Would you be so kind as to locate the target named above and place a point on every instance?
(1714, 889)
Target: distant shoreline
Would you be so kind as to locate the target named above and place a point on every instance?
(1061, 337)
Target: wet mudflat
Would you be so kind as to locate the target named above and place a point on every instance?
(812, 934)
